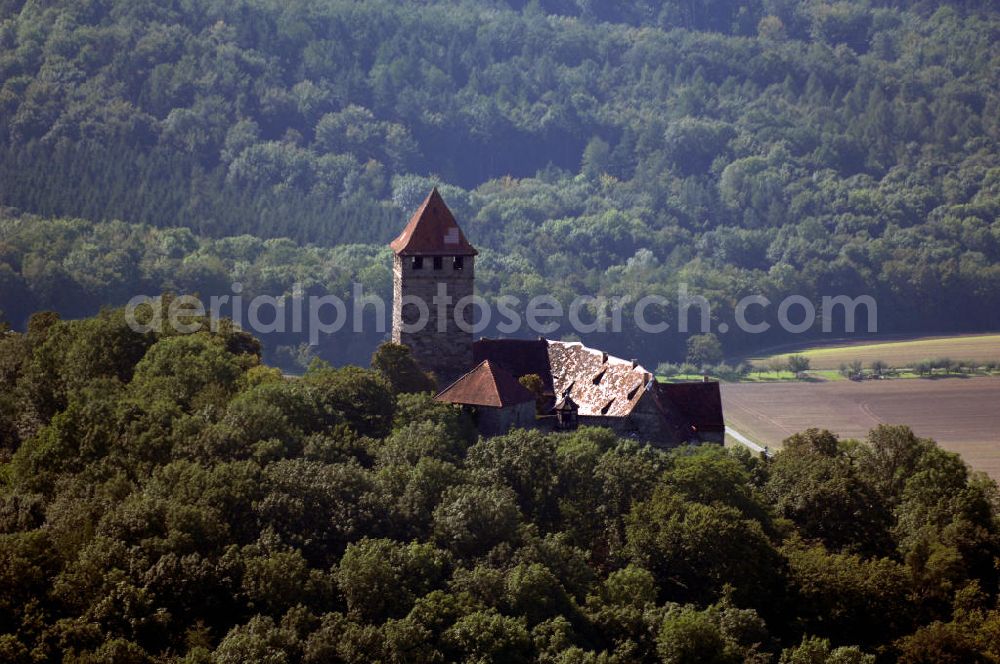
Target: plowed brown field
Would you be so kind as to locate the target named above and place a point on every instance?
(962, 415)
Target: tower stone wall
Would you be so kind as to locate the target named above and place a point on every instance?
(439, 345)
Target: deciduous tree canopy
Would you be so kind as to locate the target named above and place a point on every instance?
(182, 502)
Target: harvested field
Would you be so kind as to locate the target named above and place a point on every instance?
(962, 415)
(980, 347)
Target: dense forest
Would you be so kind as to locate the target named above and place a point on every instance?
(766, 146)
(169, 498)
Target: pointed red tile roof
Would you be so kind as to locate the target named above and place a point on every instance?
(486, 385)
(432, 231)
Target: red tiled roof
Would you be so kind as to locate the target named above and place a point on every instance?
(432, 231)
(486, 385)
(602, 384)
(518, 356)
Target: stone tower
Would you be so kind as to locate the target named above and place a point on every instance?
(433, 257)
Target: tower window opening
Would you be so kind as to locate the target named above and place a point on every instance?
(418, 262)
(438, 262)
(459, 262)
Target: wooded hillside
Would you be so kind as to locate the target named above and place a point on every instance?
(615, 148)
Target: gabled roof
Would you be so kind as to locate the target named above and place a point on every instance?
(518, 356)
(699, 403)
(604, 385)
(486, 385)
(566, 404)
(432, 231)
(599, 383)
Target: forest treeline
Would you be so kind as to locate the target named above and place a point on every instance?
(766, 146)
(166, 497)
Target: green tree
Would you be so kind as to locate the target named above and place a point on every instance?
(798, 364)
(776, 365)
(838, 594)
(704, 350)
(688, 636)
(471, 520)
(487, 636)
(814, 650)
(534, 591)
(596, 158)
(382, 579)
(813, 482)
(396, 364)
(259, 640)
(940, 642)
(524, 461)
(192, 371)
(362, 399)
(533, 383)
(694, 549)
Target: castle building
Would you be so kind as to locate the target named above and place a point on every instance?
(434, 270)
(498, 402)
(433, 260)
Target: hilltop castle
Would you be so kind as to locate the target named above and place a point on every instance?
(581, 385)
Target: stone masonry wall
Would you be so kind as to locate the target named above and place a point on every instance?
(446, 351)
(499, 421)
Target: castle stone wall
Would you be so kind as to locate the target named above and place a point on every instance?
(499, 421)
(441, 347)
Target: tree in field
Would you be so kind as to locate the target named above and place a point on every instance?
(776, 365)
(944, 363)
(879, 367)
(798, 364)
(704, 350)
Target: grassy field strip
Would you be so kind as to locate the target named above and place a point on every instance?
(983, 347)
